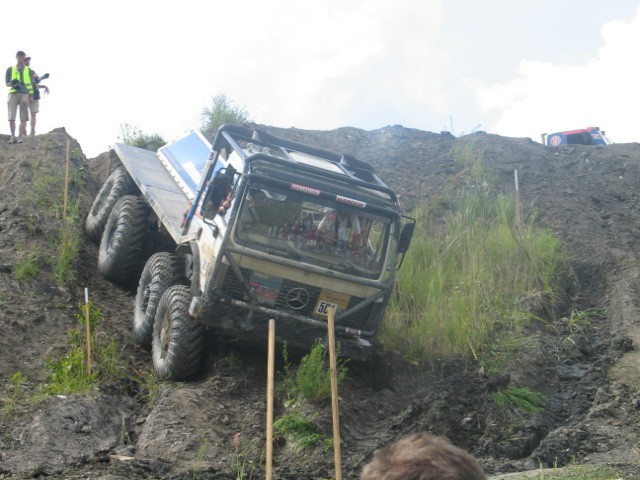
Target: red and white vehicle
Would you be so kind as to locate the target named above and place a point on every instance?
(583, 136)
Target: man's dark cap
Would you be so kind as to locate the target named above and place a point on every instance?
(21, 54)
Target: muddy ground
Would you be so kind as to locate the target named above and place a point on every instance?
(213, 427)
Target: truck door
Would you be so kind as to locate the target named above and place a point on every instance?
(214, 211)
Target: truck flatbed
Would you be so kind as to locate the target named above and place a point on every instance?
(157, 185)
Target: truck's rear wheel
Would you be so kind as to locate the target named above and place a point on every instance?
(162, 270)
(123, 245)
(178, 339)
(118, 184)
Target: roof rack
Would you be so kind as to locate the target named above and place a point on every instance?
(235, 135)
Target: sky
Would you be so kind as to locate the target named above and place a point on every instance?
(511, 67)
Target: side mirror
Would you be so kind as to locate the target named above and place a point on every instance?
(405, 237)
(219, 188)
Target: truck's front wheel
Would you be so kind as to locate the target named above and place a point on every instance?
(178, 339)
(161, 271)
(123, 246)
(118, 184)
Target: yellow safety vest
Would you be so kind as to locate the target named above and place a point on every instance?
(26, 78)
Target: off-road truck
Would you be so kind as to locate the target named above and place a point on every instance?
(251, 228)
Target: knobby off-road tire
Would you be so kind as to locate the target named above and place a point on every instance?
(178, 339)
(161, 271)
(118, 184)
(123, 245)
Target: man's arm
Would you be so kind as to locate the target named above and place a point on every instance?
(7, 77)
(34, 77)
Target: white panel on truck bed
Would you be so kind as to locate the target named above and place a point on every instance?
(185, 160)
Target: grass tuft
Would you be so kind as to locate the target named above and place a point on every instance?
(521, 397)
(302, 431)
(69, 374)
(14, 395)
(68, 247)
(29, 266)
(581, 472)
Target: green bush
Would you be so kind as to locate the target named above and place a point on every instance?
(313, 377)
(132, 135)
(69, 374)
(222, 111)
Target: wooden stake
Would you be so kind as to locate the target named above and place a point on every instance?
(88, 329)
(270, 375)
(518, 206)
(66, 182)
(334, 394)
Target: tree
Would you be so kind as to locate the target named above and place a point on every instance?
(222, 111)
(132, 135)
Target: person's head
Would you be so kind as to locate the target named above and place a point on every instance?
(421, 456)
(27, 61)
(20, 56)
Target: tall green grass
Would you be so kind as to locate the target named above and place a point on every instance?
(65, 227)
(67, 245)
(463, 285)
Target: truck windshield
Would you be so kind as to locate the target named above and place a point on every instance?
(313, 229)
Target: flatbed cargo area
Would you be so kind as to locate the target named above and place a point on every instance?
(162, 191)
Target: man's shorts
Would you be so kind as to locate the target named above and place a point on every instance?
(21, 100)
(34, 106)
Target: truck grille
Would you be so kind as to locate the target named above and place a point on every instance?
(358, 320)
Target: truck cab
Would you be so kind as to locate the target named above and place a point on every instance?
(287, 231)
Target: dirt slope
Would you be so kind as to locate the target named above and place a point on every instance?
(214, 427)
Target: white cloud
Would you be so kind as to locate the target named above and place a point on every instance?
(314, 64)
(344, 64)
(546, 97)
(323, 64)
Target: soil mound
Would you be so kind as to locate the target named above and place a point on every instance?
(214, 427)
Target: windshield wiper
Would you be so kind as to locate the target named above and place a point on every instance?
(293, 253)
(348, 267)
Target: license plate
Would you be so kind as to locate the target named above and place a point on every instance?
(330, 299)
(266, 288)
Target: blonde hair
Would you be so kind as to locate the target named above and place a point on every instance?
(422, 456)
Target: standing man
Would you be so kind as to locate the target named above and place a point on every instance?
(18, 79)
(34, 105)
